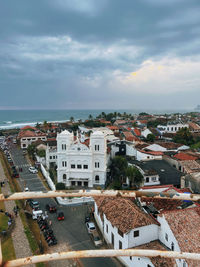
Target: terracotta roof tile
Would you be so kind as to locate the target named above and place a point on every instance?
(185, 225)
(158, 261)
(123, 213)
(184, 156)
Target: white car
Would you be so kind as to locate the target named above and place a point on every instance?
(33, 170)
(90, 227)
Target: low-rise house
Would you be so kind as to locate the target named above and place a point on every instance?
(124, 225)
(27, 137)
(194, 127)
(167, 173)
(167, 146)
(153, 225)
(143, 155)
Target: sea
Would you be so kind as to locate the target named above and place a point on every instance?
(10, 119)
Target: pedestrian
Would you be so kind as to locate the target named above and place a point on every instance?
(17, 207)
(50, 223)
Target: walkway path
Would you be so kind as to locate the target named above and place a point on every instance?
(20, 242)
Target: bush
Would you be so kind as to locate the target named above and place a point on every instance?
(60, 186)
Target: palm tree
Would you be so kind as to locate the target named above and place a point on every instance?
(72, 119)
(90, 117)
(134, 175)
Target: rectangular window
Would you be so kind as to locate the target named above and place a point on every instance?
(120, 233)
(63, 146)
(136, 233)
(112, 239)
(64, 163)
(96, 147)
(85, 166)
(96, 164)
(106, 228)
(50, 157)
(153, 179)
(120, 245)
(79, 166)
(72, 166)
(130, 258)
(147, 179)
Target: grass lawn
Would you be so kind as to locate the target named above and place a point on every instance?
(8, 250)
(3, 222)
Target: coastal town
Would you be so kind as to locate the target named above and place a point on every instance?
(114, 151)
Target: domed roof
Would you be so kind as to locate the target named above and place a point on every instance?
(97, 133)
(65, 132)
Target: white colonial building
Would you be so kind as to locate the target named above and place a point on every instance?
(81, 162)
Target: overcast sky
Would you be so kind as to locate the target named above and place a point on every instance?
(89, 54)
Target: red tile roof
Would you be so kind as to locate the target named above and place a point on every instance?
(28, 127)
(158, 261)
(123, 213)
(113, 128)
(184, 156)
(185, 225)
(129, 136)
(137, 132)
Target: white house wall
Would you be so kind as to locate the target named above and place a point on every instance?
(130, 150)
(164, 230)
(143, 156)
(127, 261)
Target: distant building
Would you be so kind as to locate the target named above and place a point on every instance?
(172, 127)
(27, 137)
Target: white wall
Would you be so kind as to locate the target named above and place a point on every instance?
(130, 150)
(143, 156)
(165, 229)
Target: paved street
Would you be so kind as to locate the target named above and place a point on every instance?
(72, 230)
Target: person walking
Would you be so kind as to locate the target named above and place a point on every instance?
(50, 223)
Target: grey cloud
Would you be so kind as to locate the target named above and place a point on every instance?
(104, 37)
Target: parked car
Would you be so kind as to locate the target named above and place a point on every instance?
(34, 204)
(60, 216)
(50, 208)
(33, 170)
(90, 227)
(36, 214)
(15, 174)
(96, 239)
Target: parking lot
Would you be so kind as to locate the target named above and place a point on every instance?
(72, 231)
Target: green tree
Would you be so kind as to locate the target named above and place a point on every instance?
(37, 126)
(31, 149)
(118, 168)
(41, 153)
(184, 136)
(90, 117)
(150, 138)
(134, 175)
(72, 119)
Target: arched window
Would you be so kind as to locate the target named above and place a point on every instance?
(64, 177)
(172, 246)
(97, 178)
